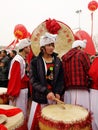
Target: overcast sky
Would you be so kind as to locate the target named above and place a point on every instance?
(31, 13)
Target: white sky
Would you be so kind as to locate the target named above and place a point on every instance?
(31, 13)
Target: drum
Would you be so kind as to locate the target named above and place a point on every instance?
(64, 39)
(3, 95)
(69, 117)
(14, 117)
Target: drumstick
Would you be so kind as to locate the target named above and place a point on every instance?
(61, 102)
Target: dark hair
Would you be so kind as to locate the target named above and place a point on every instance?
(4, 51)
(20, 50)
(41, 50)
(14, 51)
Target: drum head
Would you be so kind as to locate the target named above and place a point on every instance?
(64, 40)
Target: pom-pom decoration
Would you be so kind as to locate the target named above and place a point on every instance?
(52, 26)
(20, 31)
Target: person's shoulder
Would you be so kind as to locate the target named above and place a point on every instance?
(80, 52)
(56, 55)
(34, 59)
(83, 55)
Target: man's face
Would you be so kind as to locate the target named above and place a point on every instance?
(27, 49)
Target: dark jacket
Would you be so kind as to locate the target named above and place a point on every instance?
(4, 70)
(38, 79)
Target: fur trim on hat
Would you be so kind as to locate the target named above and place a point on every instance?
(47, 38)
(81, 43)
(23, 43)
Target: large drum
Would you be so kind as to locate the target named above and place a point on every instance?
(69, 117)
(3, 95)
(12, 117)
(65, 36)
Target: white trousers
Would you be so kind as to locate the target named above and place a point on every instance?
(21, 101)
(94, 108)
(32, 112)
(77, 96)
